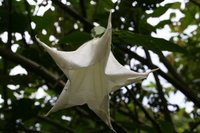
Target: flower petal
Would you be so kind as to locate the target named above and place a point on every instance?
(88, 54)
(119, 75)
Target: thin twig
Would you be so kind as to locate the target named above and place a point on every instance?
(171, 69)
(32, 66)
(161, 93)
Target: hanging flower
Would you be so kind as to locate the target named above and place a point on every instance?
(92, 72)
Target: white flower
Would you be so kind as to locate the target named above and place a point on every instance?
(92, 72)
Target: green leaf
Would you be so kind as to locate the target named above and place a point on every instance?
(163, 23)
(161, 10)
(45, 22)
(97, 31)
(189, 15)
(155, 44)
(76, 37)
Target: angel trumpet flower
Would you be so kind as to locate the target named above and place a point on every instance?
(92, 72)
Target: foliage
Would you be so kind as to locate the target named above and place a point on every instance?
(137, 108)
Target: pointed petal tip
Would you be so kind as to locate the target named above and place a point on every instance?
(110, 13)
(47, 114)
(111, 128)
(109, 20)
(153, 70)
(110, 125)
(38, 40)
(41, 43)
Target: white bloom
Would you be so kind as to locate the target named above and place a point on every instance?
(92, 72)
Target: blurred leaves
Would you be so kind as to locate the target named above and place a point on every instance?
(44, 22)
(72, 38)
(19, 21)
(155, 44)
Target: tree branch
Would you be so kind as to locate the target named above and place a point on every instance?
(9, 43)
(83, 9)
(166, 111)
(171, 69)
(32, 66)
(188, 92)
(8, 47)
(65, 128)
(88, 25)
